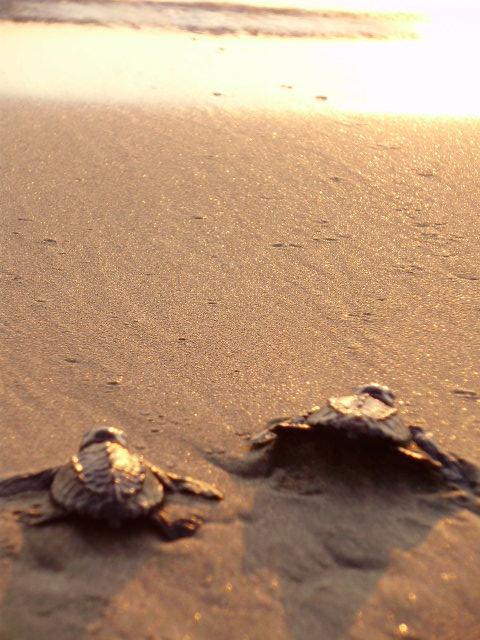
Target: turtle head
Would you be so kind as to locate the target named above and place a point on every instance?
(379, 392)
(104, 434)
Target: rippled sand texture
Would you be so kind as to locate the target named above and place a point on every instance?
(220, 278)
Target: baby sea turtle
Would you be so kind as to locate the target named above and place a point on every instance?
(369, 412)
(106, 481)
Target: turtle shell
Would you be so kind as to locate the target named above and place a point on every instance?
(361, 414)
(106, 481)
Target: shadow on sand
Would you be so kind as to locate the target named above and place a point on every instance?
(308, 532)
(327, 520)
(82, 579)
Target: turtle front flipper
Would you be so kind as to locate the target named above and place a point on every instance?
(40, 481)
(175, 529)
(174, 482)
(270, 434)
(46, 515)
(453, 469)
(263, 438)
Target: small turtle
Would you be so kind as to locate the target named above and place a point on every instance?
(369, 413)
(106, 481)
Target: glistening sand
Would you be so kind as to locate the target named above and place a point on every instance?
(226, 260)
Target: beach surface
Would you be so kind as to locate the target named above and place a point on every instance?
(191, 261)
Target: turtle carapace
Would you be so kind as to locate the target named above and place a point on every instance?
(106, 481)
(368, 413)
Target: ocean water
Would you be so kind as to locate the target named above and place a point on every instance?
(285, 18)
(363, 56)
(327, 19)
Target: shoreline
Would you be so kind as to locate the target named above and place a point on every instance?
(86, 64)
(189, 271)
(219, 18)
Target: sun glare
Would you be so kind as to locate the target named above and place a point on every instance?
(433, 73)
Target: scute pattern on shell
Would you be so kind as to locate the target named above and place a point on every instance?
(106, 481)
(362, 405)
(109, 468)
(388, 426)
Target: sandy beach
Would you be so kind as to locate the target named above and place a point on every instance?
(189, 266)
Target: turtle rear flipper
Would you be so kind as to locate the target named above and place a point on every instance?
(38, 517)
(175, 529)
(173, 482)
(453, 469)
(40, 481)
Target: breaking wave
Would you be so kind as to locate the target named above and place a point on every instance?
(214, 18)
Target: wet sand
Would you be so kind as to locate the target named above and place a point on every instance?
(189, 272)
